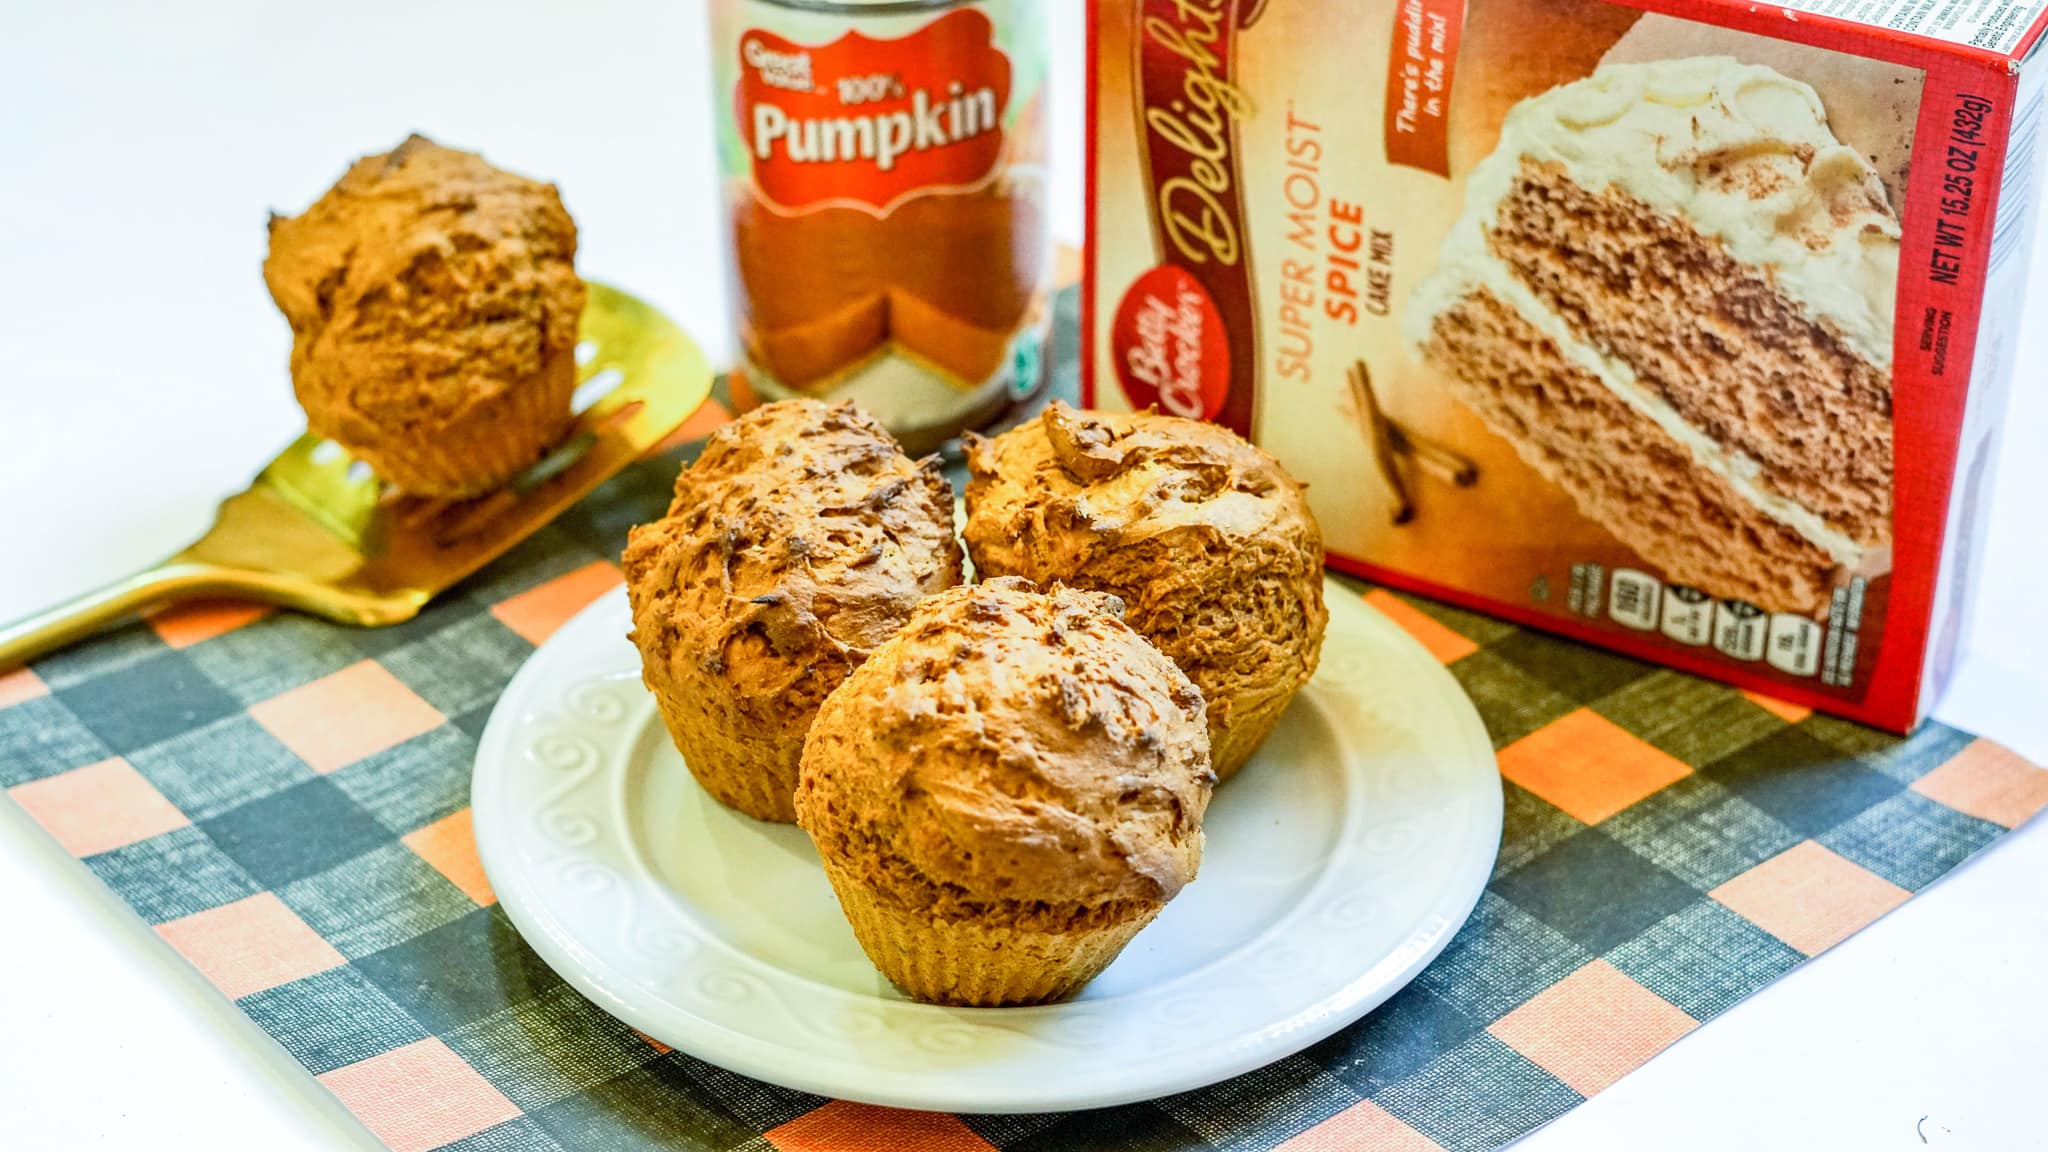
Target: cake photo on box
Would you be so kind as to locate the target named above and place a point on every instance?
(1671, 289)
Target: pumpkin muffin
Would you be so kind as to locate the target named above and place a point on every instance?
(1206, 539)
(434, 305)
(797, 542)
(1006, 793)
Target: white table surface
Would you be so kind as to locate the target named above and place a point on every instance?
(142, 376)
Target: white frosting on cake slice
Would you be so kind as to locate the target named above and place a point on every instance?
(1745, 155)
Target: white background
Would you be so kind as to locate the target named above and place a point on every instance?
(142, 376)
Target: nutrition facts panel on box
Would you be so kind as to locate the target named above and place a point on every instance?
(1994, 24)
(1791, 643)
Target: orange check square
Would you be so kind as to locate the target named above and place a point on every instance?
(420, 1096)
(1809, 897)
(1988, 781)
(537, 612)
(449, 844)
(21, 686)
(1444, 644)
(1588, 766)
(1592, 1028)
(842, 1127)
(657, 1045)
(250, 945)
(1788, 712)
(99, 807)
(1363, 1127)
(183, 625)
(348, 715)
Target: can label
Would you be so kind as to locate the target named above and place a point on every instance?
(864, 123)
(884, 173)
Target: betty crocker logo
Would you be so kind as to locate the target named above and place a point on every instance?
(1169, 345)
(865, 122)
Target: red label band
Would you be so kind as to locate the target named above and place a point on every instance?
(1424, 57)
(1189, 107)
(867, 123)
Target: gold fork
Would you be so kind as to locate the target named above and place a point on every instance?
(318, 532)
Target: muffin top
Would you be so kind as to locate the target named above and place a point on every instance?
(1162, 511)
(1012, 753)
(424, 282)
(798, 541)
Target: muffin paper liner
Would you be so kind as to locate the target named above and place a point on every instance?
(967, 962)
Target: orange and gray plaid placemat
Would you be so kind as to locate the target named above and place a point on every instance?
(286, 802)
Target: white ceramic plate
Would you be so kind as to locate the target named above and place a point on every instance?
(1338, 864)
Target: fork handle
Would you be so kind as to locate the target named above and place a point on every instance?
(75, 619)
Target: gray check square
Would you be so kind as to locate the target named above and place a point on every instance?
(273, 655)
(1481, 630)
(108, 652)
(1693, 720)
(443, 611)
(653, 1106)
(553, 1045)
(521, 1135)
(463, 971)
(1478, 1096)
(1401, 1037)
(1576, 671)
(1700, 831)
(1263, 1107)
(1704, 959)
(1801, 782)
(1500, 958)
(758, 1104)
(1531, 825)
(1847, 736)
(305, 829)
(1130, 1128)
(1910, 840)
(473, 722)
(415, 783)
(462, 667)
(40, 738)
(1512, 702)
(220, 766)
(1909, 759)
(366, 904)
(1595, 890)
(541, 557)
(332, 1019)
(1007, 1130)
(172, 875)
(150, 700)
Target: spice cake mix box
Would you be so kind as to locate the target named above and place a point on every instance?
(1681, 327)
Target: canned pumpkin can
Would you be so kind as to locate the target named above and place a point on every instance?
(883, 169)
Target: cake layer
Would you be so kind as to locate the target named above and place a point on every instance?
(1774, 391)
(1621, 467)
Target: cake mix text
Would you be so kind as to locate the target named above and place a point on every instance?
(1336, 268)
(1191, 107)
(1424, 59)
(1192, 208)
(1963, 156)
